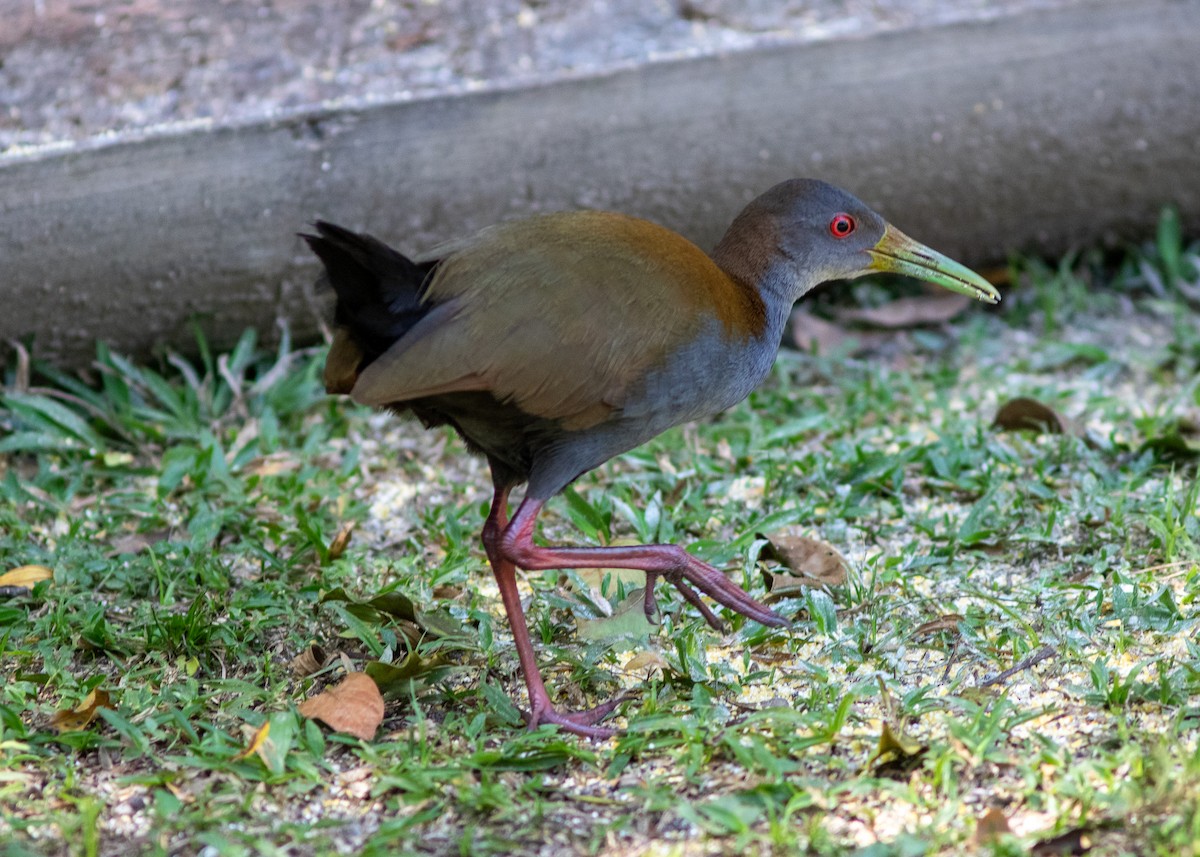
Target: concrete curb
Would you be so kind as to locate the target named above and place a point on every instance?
(1036, 131)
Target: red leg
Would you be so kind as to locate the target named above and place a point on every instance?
(672, 563)
(541, 709)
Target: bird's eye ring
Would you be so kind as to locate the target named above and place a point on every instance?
(841, 225)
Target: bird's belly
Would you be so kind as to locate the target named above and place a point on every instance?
(698, 381)
(509, 437)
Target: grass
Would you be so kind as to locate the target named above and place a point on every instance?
(1014, 650)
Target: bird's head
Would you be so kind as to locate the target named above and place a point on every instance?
(804, 232)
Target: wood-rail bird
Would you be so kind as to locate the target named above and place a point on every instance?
(555, 342)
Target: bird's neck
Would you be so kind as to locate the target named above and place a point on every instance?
(752, 260)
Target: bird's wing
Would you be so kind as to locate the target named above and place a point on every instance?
(561, 314)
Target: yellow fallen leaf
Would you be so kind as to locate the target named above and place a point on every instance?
(273, 464)
(342, 540)
(355, 706)
(256, 741)
(26, 576)
(75, 719)
(896, 748)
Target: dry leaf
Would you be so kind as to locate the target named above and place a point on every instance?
(256, 741)
(896, 749)
(812, 333)
(20, 382)
(991, 826)
(1030, 414)
(135, 543)
(309, 661)
(949, 622)
(272, 464)
(645, 662)
(997, 275)
(341, 541)
(355, 706)
(814, 564)
(77, 718)
(25, 576)
(933, 308)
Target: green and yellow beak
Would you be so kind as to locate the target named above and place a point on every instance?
(898, 254)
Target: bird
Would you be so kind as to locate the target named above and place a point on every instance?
(555, 342)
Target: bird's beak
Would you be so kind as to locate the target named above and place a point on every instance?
(899, 254)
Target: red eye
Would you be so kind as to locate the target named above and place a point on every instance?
(841, 225)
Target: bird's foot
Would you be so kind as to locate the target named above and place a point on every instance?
(576, 722)
(717, 586)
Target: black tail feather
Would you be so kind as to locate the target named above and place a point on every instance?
(379, 290)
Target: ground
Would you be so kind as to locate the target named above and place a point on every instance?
(1008, 661)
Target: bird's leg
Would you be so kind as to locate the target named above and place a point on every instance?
(541, 710)
(672, 563)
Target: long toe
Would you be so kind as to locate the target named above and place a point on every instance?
(718, 587)
(579, 722)
(692, 597)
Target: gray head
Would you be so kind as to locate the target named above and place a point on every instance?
(804, 232)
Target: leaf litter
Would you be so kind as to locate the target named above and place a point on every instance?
(353, 706)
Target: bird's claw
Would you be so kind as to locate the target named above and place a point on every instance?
(576, 722)
(716, 586)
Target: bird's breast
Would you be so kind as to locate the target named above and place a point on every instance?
(709, 374)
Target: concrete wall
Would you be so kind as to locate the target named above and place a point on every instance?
(1033, 132)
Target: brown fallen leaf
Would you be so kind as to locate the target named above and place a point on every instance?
(814, 564)
(813, 334)
(135, 543)
(933, 308)
(949, 622)
(997, 275)
(25, 576)
(354, 706)
(341, 541)
(1029, 414)
(309, 661)
(645, 662)
(77, 718)
(992, 825)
